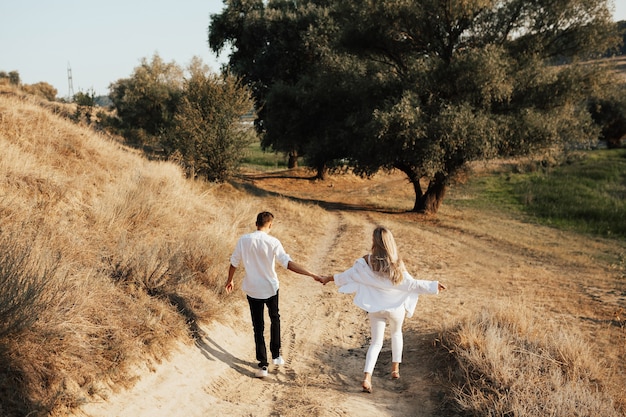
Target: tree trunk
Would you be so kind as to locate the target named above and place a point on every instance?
(321, 171)
(431, 200)
(414, 179)
(293, 160)
(614, 142)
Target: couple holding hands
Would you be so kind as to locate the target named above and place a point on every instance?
(380, 281)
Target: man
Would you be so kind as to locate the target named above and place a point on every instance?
(258, 252)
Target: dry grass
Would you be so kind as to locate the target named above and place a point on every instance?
(531, 325)
(510, 362)
(125, 253)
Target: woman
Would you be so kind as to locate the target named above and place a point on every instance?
(386, 291)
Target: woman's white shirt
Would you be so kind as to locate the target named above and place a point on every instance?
(375, 292)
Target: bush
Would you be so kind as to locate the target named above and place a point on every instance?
(506, 362)
(23, 297)
(41, 89)
(208, 138)
(610, 115)
(27, 289)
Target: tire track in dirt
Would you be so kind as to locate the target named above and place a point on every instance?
(306, 311)
(309, 314)
(231, 381)
(329, 339)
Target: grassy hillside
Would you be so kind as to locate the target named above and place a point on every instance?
(584, 194)
(107, 258)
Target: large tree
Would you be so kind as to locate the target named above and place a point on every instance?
(189, 115)
(274, 46)
(433, 85)
(146, 102)
(472, 80)
(208, 138)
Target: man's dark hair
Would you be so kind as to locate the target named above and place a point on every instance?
(264, 218)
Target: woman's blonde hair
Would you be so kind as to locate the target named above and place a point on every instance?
(385, 258)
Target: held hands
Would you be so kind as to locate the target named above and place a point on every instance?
(322, 279)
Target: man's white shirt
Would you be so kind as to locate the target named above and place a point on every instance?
(258, 251)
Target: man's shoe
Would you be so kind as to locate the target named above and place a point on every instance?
(278, 361)
(261, 372)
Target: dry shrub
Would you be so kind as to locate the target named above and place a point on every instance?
(23, 296)
(87, 340)
(508, 361)
(24, 282)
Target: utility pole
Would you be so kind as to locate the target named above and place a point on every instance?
(70, 85)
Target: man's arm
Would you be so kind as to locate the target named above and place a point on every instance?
(229, 283)
(299, 269)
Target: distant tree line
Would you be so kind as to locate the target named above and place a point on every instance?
(421, 87)
(41, 89)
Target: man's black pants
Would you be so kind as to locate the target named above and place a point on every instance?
(257, 308)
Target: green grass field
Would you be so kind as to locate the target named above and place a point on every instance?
(587, 194)
(258, 159)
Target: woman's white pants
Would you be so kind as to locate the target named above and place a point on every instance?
(378, 322)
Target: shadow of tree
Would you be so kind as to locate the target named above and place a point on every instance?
(249, 187)
(607, 322)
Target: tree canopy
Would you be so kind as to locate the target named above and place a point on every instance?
(191, 116)
(146, 102)
(207, 137)
(422, 87)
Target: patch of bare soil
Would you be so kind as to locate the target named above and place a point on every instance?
(483, 258)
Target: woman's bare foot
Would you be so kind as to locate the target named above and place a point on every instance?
(367, 383)
(367, 386)
(395, 370)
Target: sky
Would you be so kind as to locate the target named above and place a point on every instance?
(103, 41)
